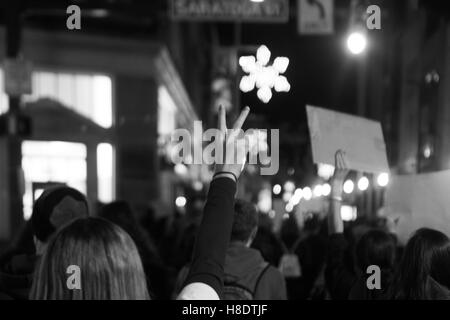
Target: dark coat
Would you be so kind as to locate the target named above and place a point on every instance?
(243, 266)
(16, 276)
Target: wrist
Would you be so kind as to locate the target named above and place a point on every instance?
(336, 198)
(336, 192)
(233, 169)
(225, 174)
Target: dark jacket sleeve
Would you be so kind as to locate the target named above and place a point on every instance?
(214, 235)
(338, 277)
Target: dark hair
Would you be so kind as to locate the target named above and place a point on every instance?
(425, 254)
(440, 265)
(56, 207)
(107, 258)
(376, 247)
(121, 214)
(245, 220)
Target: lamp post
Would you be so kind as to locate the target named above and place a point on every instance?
(14, 143)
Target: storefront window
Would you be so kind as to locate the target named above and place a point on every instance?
(46, 163)
(105, 172)
(3, 96)
(87, 94)
(166, 112)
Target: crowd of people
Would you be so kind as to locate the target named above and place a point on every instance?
(231, 254)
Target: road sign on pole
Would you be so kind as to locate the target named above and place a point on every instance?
(17, 77)
(315, 17)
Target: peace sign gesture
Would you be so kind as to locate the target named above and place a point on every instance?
(234, 147)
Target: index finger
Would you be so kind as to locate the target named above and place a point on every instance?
(241, 119)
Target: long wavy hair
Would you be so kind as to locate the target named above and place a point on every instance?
(426, 255)
(109, 264)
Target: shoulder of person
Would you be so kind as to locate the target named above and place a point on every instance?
(273, 274)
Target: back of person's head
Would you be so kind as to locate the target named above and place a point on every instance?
(425, 253)
(120, 213)
(109, 264)
(376, 247)
(245, 222)
(56, 207)
(312, 222)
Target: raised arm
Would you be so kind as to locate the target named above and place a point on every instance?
(335, 224)
(205, 278)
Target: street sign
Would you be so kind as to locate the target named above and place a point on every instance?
(17, 77)
(315, 17)
(269, 11)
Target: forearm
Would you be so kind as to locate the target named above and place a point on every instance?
(335, 223)
(214, 235)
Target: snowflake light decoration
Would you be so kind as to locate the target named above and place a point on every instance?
(264, 76)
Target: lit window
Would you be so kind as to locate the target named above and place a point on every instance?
(4, 103)
(47, 162)
(105, 172)
(166, 112)
(349, 213)
(85, 93)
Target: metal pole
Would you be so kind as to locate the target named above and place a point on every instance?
(14, 143)
(237, 44)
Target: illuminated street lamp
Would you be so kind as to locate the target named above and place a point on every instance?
(363, 184)
(349, 186)
(276, 189)
(356, 42)
(307, 193)
(383, 179)
(326, 190)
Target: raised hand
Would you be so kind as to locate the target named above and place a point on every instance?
(235, 151)
(340, 172)
(335, 223)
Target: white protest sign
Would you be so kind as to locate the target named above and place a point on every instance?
(419, 201)
(361, 139)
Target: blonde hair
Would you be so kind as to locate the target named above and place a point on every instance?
(109, 264)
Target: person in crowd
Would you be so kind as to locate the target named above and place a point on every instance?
(312, 252)
(22, 244)
(424, 272)
(107, 258)
(375, 247)
(289, 265)
(56, 207)
(247, 275)
(98, 237)
(267, 242)
(121, 214)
